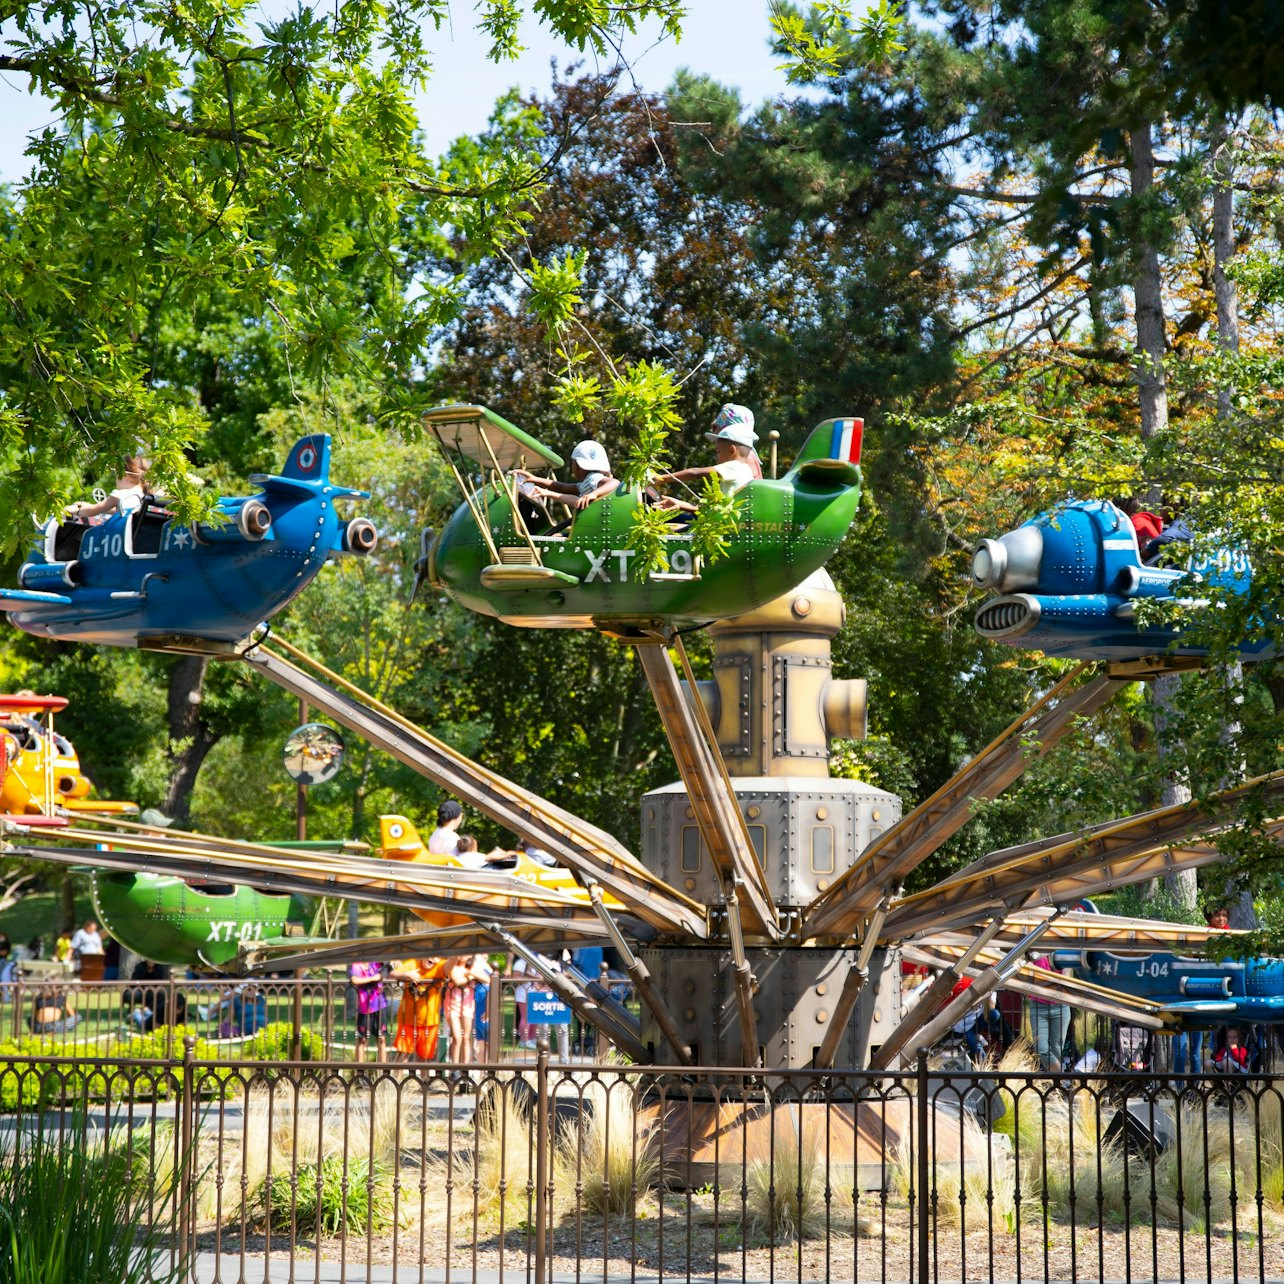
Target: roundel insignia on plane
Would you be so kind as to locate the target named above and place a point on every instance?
(307, 460)
(395, 831)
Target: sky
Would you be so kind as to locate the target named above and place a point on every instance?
(723, 38)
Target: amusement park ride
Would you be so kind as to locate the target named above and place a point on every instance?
(765, 922)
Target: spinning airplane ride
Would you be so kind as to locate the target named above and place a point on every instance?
(768, 895)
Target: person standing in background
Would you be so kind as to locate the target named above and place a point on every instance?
(88, 944)
(372, 1009)
(1049, 1022)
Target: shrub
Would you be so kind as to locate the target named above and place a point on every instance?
(609, 1157)
(65, 1217)
(785, 1183)
(275, 1042)
(320, 1191)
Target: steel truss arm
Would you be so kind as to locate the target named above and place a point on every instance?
(618, 1026)
(1054, 987)
(1065, 869)
(884, 864)
(286, 955)
(575, 843)
(709, 790)
(989, 980)
(1078, 930)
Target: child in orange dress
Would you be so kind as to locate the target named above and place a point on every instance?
(419, 1017)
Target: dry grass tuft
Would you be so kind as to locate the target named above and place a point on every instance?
(611, 1158)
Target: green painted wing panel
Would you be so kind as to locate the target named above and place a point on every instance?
(469, 429)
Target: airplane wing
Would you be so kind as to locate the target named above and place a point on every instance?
(16, 599)
(32, 704)
(487, 439)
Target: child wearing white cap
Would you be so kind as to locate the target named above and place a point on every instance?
(737, 462)
(591, 469)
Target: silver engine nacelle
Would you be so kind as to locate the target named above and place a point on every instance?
(1009, 563)
(360, 536)
(253, 519)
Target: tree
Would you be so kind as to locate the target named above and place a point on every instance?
(197, 155)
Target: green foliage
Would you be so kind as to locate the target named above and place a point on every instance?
(876, 761)
(829, 41)
(71, 1213)
(331, 1197)
(275, 1042)
(647, 537)
(555, 288)
(716, 522)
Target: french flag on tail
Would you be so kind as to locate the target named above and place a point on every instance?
(846, 440)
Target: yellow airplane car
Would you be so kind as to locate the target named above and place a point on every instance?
(400, 840)
(39, 770)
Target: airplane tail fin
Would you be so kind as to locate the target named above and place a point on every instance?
(399, 839)
(306, 470)
(310, 458)
(831, 453)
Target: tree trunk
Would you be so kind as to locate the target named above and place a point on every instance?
(67, 902)
(190, 739)
(1224, 246)
(1152, 385)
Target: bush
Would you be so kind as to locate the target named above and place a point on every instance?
(67, 1216)
(275, 1043)
(320, 1188)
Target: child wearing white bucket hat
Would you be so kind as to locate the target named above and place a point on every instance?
(737, 462)
(591, 468)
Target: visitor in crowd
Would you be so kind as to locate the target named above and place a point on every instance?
(111, 959)
(1233, 1056)
(53, 1011)
(483, 971)
(147, 1005)
(246, 1008)
(444, 840)
(419, 1016)
(523, 1031)
(372, 1009)
(62, 949)
(1048, 1024)
(461, 1009)
(86, 943)
(1188, 1045)
(35, 948)
(1134, 1048)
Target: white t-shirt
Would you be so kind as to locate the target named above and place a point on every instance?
(443, 842)
(128, 499)
(86, 942)
(734, 475)
(471, 860)
(591, 481)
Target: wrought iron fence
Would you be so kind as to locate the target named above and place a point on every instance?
(411, 1171)
(311, 1018)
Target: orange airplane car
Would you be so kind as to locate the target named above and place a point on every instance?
(400, 840)
(39, 771)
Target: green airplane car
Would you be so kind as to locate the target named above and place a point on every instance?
(169, 920)
(504, 556)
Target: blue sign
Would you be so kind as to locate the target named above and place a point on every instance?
(543, 1008)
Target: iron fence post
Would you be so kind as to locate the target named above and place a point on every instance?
(329, 1014)
(541, 1162)
(924, 1274)
(495, 1017)
(186, 1161)
(17, 1008)
(296, 1035)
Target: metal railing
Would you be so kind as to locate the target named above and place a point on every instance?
(312, 1018)
(259, 1171)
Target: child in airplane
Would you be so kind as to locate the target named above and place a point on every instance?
(591, 469)
(737, 462)
(127, 497)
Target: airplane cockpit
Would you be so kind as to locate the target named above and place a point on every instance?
(140, 534)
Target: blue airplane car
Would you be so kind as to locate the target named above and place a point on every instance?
(142, 575)
(1071, 579)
